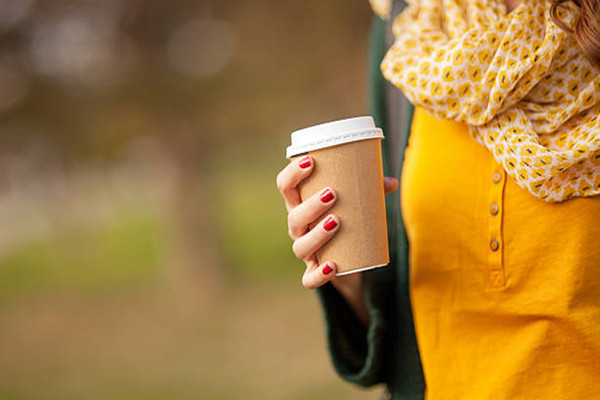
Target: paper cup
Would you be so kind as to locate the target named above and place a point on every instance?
(347, 155)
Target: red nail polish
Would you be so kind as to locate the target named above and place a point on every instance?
(329, 224)
(327, 270)
(305, 162)
(327, 196)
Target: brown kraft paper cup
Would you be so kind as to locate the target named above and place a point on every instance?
(349, 161)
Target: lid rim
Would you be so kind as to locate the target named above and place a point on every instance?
(334, 140)
(338, 126)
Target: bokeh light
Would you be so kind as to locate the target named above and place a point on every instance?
(78, 44)
(13, 11)
(201, 48)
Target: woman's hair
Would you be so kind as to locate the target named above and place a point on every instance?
(587, 26)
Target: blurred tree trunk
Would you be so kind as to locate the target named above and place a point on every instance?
(196, 260)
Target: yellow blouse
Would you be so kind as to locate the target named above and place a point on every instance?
(505, 287)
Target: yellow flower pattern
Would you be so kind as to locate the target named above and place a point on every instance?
(520, 82)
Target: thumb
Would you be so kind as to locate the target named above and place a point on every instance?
(390, 184)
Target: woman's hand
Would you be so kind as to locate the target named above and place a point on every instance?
(302, 213)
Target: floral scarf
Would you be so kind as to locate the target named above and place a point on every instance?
(520, 82)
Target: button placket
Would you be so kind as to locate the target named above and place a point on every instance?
(496, 278)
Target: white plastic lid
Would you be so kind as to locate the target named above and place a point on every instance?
(333, 134)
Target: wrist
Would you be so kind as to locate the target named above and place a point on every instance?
(351, 287)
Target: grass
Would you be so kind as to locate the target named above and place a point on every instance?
(126, 252)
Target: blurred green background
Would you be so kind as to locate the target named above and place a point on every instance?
(143, 246)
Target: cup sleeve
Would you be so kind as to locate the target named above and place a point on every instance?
(359, 353)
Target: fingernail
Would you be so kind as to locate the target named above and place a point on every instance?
(327, 269)
(327, 196)
(305, 162)
(329, 224)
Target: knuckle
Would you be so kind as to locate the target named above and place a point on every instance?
(291, 234)
(307, 283)
(291, 221)
(280, 182)
(297, 249)
(294, 226)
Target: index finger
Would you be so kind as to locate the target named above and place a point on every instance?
(290, 177)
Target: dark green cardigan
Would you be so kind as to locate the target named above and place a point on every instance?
(387, 351)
